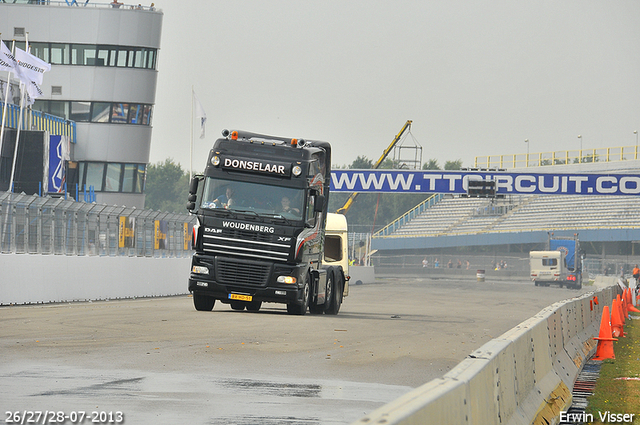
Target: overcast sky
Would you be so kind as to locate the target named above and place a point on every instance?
(476, 77)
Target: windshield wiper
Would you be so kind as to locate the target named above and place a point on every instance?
(278, 216)
(245, 211)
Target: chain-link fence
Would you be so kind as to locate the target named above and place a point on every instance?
(518, 264)
(30, 224)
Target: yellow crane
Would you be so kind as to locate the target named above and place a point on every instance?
(352, 198)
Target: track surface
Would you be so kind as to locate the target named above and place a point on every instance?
(160, 361)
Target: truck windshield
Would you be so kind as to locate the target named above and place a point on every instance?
(255, 197)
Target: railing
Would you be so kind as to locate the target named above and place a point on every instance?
(540, 159)
(408, 216)
(36, 120)
(86, 3)
(30, 224)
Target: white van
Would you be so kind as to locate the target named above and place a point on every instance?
(549, 267)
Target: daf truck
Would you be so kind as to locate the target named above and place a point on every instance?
(263, 232)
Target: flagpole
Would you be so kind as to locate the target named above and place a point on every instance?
(22, 95)
(191, 143)
(6, 98)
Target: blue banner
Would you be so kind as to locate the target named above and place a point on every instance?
(456, 182)
(56, 164)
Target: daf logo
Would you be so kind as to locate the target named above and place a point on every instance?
(283, 239)
(211, 230)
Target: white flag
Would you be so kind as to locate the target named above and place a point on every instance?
(7, 60)
(30, 68)
(200, 114)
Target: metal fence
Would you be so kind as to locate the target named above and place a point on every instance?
(30, 224)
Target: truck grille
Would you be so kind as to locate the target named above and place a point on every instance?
(230, 271)
(249, 246)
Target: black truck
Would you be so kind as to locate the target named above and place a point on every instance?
(261, 208)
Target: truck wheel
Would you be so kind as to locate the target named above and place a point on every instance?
(203, 302)
(300, 308)
(237, 305)
(319, 309)
(335, 300)
(254, 306)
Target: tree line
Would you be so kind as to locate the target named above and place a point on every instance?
(167, 187)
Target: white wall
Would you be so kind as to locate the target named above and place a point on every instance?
(28, 279)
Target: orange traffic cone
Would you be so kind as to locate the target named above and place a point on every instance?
(605, 341)
(617, 322)
(623, 307)
(629, 297)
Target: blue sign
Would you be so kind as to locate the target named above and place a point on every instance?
(56, 164)
(456, 182)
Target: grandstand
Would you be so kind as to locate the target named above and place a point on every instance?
(520, 223)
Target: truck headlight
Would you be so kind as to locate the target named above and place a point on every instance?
(286, 279)
(297, 170)
(215, 161)
(200, 269)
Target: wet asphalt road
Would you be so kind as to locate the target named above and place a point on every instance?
(159, 361)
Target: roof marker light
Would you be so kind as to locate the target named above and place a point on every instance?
(234, 135)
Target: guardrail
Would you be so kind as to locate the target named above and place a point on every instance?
(30, 224)
(86, 3)
(36, 120)
(540, 159)
(524, 376)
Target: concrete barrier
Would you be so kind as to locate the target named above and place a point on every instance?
(525, 376)
(361, 274)
(28, 279)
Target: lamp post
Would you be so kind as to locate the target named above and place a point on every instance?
(527, 142)
(636, 133)
(580, 155)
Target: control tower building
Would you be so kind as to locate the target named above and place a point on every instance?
(103, 76)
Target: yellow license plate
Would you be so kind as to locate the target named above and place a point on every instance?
(240, 297)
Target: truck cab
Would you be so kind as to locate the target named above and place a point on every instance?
(261, 208)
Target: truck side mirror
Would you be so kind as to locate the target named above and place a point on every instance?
(318, 205)
(193, 186)
(193, 192)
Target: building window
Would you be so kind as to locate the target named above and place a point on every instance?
(112, 176)
(80, 111)
(93, 55)
(140, 178)
(40, 50)
(128, 179)
(60, 54)
(119, 113)
(104, 112)
(100, 112)
(95, 173)
(135, 114)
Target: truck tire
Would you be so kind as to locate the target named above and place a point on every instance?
(203, 302)
(334, 299)
(254, 306)
(300, 308)
(578, 284)
(319, 309)
(237, 305)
